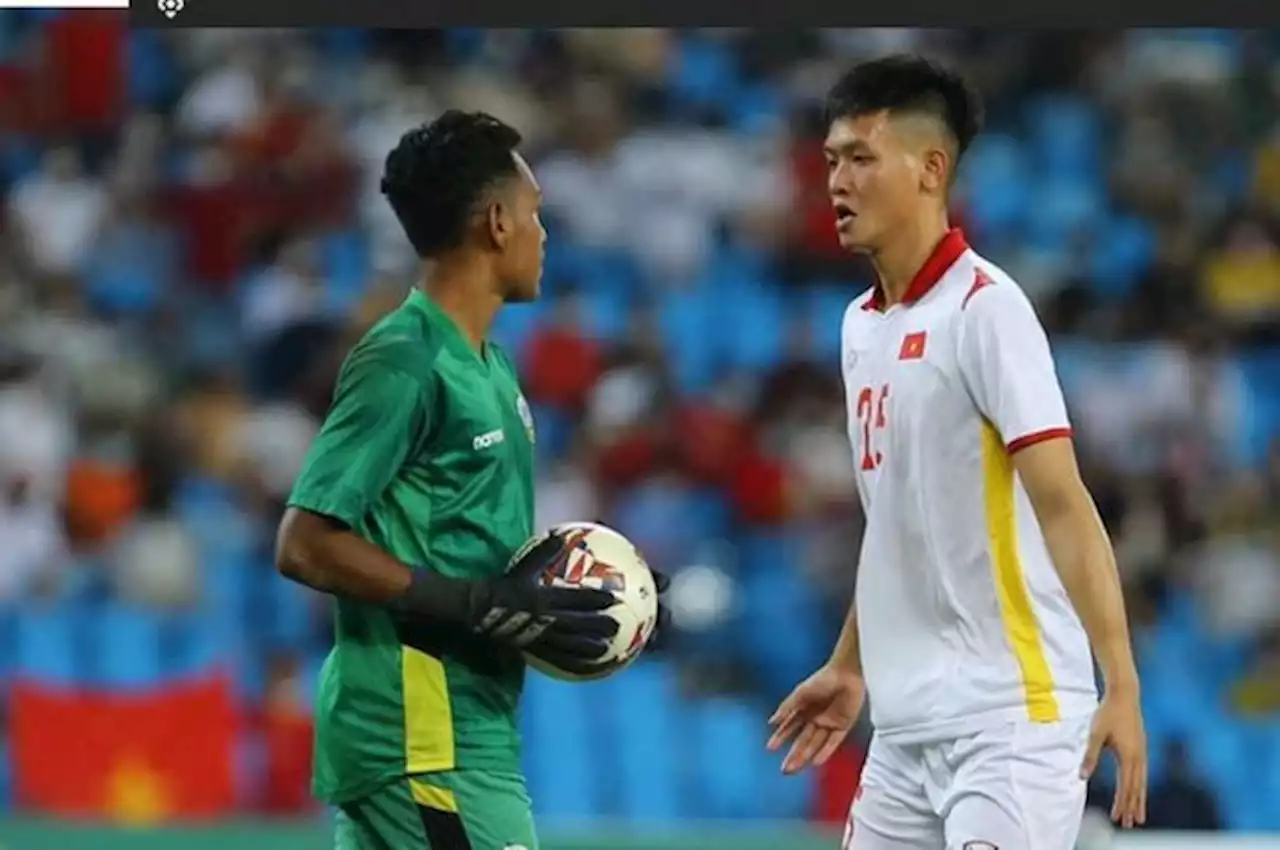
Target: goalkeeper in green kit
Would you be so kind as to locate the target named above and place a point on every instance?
(414, 498)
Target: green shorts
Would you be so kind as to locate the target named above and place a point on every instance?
(457, 810)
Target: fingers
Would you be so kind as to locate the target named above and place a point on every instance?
(569, 599)
(786, 708)
(812, 739)
(583, 624)
(1130, 805)
(570, 646)
(835, 737)
(785, 731)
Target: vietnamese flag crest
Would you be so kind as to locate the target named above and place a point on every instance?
(137, 758)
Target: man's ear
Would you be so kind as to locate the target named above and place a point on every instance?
(498, 219)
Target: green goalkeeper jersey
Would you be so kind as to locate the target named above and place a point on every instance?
(426, 452)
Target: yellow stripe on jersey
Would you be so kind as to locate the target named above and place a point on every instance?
(433, 797)
(428, 716)
(1011, 589)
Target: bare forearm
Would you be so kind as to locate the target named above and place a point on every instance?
(1083, 556)
(847, 653)
(314, 551)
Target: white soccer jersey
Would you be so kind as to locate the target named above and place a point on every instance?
(962, 618)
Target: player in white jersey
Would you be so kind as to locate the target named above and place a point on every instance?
(985, 576)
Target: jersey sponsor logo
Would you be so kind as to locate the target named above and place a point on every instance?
(488, 439)
(981, 280)
(912, 346)
(526, 416)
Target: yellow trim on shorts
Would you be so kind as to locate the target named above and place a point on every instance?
(1016, 611)
(433, 797)
(428, 715)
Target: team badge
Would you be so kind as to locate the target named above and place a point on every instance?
(526, 416)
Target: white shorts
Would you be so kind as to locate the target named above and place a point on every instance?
(1016, 786)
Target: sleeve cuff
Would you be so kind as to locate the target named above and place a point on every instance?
(1015, 446)
(341, 505)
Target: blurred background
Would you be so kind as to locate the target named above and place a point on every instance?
(193, 237)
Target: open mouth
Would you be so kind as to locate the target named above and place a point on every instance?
(844, 214)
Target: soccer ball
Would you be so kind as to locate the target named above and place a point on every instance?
(599, 557)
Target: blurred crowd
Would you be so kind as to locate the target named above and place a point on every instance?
(193, 237)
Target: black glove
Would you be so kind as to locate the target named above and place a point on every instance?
(562, 626)
(658, 637)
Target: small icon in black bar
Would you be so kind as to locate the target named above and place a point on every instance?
(170, 8)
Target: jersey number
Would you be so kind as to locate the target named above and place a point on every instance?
(871, 415)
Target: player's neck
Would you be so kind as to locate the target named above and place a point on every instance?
(899, 261)
(464, 294)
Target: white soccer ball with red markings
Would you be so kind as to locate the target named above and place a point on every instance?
(596, 556)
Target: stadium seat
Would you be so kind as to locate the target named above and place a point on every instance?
(993, 187)
(1122, 252)
(644, 713)
(751, 328)
(824, 309)
(48, 644)
(606, 312)
(562, 734)
(685, 322)
(126, 642)
(702, 73)
(724, 753)
(191, 646)
(514, 324)
(344, 259)
(1063, 210)
(1066, 137)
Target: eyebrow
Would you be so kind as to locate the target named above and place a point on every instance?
(843, 147)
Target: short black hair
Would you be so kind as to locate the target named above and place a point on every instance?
(903, 84)
(439, 171)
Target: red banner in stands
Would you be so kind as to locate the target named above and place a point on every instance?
(139, 758)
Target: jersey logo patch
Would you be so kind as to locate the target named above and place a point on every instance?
(488, 439)
(526, 416)
(912, 346)
(981, 280)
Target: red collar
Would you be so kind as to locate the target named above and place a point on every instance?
(944, 256)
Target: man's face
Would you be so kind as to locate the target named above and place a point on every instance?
(875, 177)
(522, 250)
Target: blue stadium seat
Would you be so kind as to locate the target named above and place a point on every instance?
(1065, 133)
(605, 312)
(825, 306)
(153, 74)
(1063, 209)
(993, 185)
(1123, 251)
(702, 73)
(646, 730)
(561, 737)
(725, 753)
(48, 644)
(755, 109)
(686, 319)
(126, 644)
(513, 326)
(751, 328)
(191, 645)
(290, 619)
(344, 259)
(6, 777)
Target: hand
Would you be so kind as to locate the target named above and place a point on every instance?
(1118, 725)
(562, 626)
(657, 637)
(822, 709)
